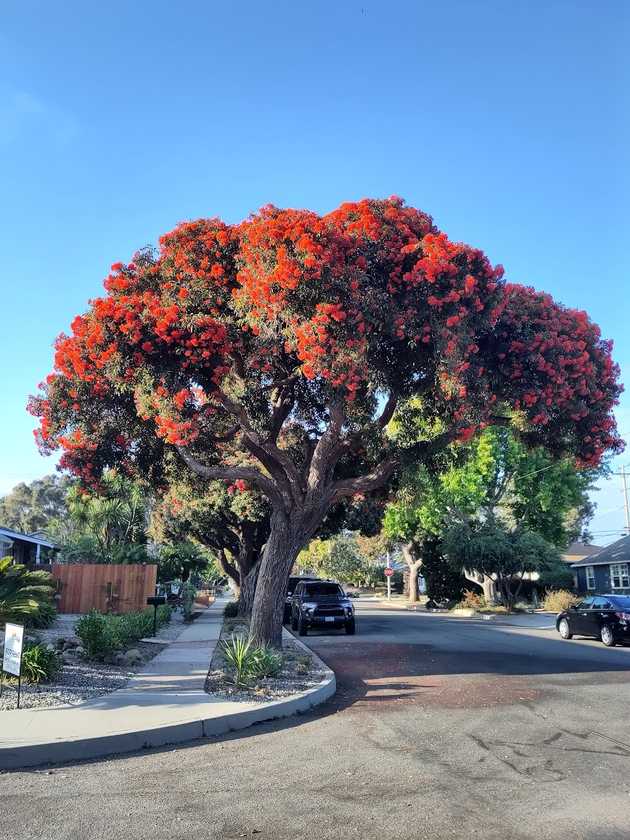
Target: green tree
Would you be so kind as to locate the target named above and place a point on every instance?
(493, 550)
(230, 521)
(32, 508)
(179, 560)
(104, 526)
(495, 478)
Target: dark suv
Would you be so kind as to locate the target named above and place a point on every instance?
(607, 617)
(321, 603)
(293, 582)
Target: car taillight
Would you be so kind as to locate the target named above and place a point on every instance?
(624, 616)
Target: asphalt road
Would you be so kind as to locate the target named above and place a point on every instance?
(441, 728)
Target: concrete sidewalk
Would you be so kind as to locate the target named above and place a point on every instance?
(164, 704)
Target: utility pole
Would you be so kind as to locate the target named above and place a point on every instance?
(626, 506)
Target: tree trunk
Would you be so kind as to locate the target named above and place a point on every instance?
(487, 584)
(288, 535)
(286, 540)
(413, 564)
(247, 590)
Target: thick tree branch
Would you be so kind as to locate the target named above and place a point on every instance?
(364, 483)
(277, 462)
(234, 473)
(228, 568)
(320, 462)
(388, 410)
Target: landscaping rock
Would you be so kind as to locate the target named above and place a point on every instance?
(133, 657)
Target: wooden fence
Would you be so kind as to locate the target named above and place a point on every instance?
(82, 587)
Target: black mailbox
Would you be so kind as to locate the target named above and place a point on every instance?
(155, 601)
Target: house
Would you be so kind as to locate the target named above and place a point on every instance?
(25, 548)
(579, 551)
(606, 571)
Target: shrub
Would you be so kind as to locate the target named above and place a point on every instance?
(188, 599)
(265, 663)
(44, 618)
(238, 653)
(98, 635)
(559, 600)
(250, 663)
(23, 593)
(39, 662)
(472, 601)
(231, 609)
(102, 634)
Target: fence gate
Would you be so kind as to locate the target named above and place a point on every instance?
(82, 587)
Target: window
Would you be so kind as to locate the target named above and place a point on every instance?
(619, 578)
(322, 590)
(590, 577)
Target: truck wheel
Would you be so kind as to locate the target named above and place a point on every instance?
(350, 627)
(294, 624)
(301, 627)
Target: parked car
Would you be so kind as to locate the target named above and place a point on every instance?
(293, 582)
(321, 603)
(606, 617)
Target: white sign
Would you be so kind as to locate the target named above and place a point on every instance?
(13, 637)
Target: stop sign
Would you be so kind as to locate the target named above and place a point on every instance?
(389, 572)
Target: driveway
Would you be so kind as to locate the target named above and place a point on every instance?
(441, 728)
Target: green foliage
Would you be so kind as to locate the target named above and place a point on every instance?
(443, 581)
(44, 617)
(39, 662)
(231, 609)
(179, 560)
(104, 527)
(490, 548)
(198, 512)
(559, 600)
(24, 595)
(98, 635)
(266, 663)
(102, 634)
(188, 599)
(248, 662)
(557, 576)
(496, 476)
(33, 507)
(341, 558)
(239, 655)
(211, 574)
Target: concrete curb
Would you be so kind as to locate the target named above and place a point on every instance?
(180, 732)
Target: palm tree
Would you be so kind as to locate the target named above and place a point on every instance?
(22, 592)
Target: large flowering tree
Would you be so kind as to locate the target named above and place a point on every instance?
(274, 353)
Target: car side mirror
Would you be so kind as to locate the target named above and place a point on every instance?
(573, 607)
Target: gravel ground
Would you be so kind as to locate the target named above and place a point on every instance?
(82, 680)
(299, 671)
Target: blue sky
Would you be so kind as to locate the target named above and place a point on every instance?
(508, 122)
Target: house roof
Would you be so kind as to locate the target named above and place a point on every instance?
(617, 552)
(580, 549)
(16, 535)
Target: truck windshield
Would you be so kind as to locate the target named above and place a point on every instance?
(323, 590)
